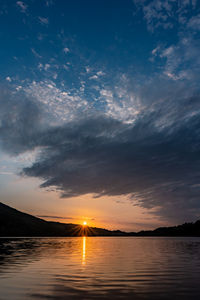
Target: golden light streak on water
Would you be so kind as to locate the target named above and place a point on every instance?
(84, 251)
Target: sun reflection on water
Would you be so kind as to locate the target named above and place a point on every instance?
(84, 251)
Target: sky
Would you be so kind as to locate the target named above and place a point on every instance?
(100, 111)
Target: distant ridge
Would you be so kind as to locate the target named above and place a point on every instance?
(15, 223)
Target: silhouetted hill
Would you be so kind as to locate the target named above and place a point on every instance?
(15, 223)
(187, 229)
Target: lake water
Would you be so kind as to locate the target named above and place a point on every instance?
(100, 268)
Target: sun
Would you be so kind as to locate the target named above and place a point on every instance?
(84, 223)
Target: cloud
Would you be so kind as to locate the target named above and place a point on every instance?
(23, 7)
(194, 22)
(65, 218)
(49, 3)
(35, 53)
(100, 73)
(94, 77)
(6, 173)
(8, 78)
(181, 60)
(20, 122)
(43, 21)
(120, 102)
(66, 50)
(166, 14)
(153, 159)
(60, 104)
(157, 167)
(56, 217)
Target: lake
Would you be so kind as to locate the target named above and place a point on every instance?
(100, 268)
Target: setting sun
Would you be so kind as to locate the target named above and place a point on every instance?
(84, 223)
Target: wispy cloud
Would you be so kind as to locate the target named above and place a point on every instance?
(55, 217)
(8, 78)
(61, 104)
(66, 50)
(35, 53)
(96, 75)
(194, 22)
(6, 173)
(23, 6)
(166, 14)
(43, 21)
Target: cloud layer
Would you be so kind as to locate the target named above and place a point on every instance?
(155, 160)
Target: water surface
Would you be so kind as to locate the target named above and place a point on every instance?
(99, 268)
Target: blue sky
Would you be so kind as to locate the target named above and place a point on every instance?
(100, 99)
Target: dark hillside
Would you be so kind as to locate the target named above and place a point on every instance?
(15, 223)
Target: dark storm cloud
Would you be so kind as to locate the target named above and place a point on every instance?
(156, 160)
(20, 122)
